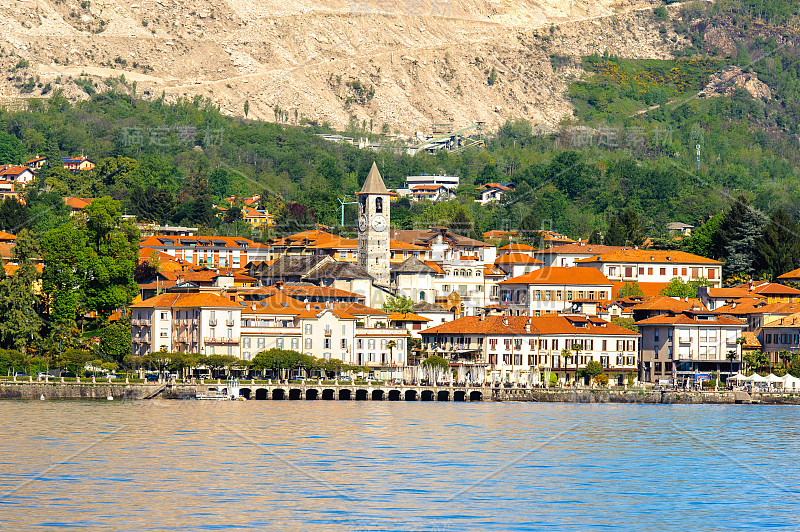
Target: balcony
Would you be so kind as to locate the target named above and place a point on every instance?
(176, 321)
(141, 323)
(212, 322)
(221, 340)
(684, 340)
(229, 323)
(141, 340)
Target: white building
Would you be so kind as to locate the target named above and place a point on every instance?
(510, 348)
(210, 324)
(449, 181)
(552, 290)
(566, 255)
(654, 266)
(190, 323)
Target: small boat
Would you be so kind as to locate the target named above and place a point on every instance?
(110, 398)
(215, 395)
(230, 393)
(41, 398)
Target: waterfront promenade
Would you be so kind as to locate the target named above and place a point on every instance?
(332, 391)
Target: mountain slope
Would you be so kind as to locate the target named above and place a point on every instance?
(405, 64)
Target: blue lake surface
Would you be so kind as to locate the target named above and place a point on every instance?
(280, 465)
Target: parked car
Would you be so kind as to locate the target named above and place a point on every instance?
(20, 374)
(151, 377)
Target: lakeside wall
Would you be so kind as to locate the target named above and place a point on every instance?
(57, 390)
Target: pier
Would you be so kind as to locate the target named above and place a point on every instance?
(356, 392)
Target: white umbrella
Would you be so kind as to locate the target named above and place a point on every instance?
(755, 377)
(738, 377)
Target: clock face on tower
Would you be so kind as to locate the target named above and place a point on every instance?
(379, 223)
(362, 223)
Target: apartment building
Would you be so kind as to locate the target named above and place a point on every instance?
(654, 266)
(186, 322)
(506, 346)
(210, 324)
(552, 290)
(677, 347)
(780, 335)
(211, 251)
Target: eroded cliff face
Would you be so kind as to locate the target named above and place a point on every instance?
(407, 64)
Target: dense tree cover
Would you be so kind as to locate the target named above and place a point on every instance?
(677, 287)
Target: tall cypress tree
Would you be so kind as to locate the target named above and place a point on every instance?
(777, 251)
(739, 231)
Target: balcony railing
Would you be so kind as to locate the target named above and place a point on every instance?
(221, 340)
(141, 340)
(212, 322)
(229, 323)
(140, 323)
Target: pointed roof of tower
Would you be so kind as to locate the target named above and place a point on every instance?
(374, 183)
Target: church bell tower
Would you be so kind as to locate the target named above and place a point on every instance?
(373, 227)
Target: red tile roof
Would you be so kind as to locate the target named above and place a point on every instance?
(190, 300)
(649, 255)
(556, 275)
(685, 319)
(514, 246)
(580, 248)
(517, 258)
(515, 325)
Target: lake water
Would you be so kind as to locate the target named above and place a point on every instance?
(397, 466)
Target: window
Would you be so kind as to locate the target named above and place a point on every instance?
(308, 343)
(378, 205)
(308, 328)
(164, 332)
(212, 332)
(371, 343)
(662, 271)
(683, 272)
(383, 343)
(543, 344)
(230, 333)
(674, 272)
(279, 343)
(555, 344)
(327, 343)
(164, 316)
(344, 343)
(641, 271)
(246, 343)
(360, 343)
(712, 273)
(422, 295)
(295, 343)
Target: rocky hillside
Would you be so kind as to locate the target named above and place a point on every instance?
(398, 65)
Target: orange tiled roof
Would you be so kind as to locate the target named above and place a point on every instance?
(408, 316)
(581, 248)
(669, 303)
(650, 255)
(496, 233)
(794, 274)
(515, 325)
(516, 247)
(190, 300)
(491, 270)
(751, 341)
(517, 258)
(684, 319)
(434, 265)
(7, 236)
(729, 293)
(77, 203)
(792, 320)
(557, 275)
(775, 289)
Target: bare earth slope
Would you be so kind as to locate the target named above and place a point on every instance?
(407, 64)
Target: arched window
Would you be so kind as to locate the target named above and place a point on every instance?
(469, 273)
(463, 273)
(422, 295)
(378, 204)
(477, 273)
(363, 203)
